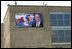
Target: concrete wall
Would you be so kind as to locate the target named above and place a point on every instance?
(6, 25)
(29, 37)
(61, 46)
(2, 36)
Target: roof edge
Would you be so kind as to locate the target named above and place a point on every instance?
(40, 5)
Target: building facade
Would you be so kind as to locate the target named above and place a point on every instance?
(55, 33)
(2, 36)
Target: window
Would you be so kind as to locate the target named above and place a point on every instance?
(59, 16)
(67, 19)
(53, 23)
(60, 19)
(67, 16)
(67, 23)
(53, 20)
(59, 36)
(54, 36)
(68, 35)
(53, 16)
(60, 23)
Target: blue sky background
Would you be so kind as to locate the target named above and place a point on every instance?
(49, 3)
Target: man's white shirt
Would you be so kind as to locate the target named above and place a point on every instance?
(37, 24)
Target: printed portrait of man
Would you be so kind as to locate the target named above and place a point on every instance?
(38, 22)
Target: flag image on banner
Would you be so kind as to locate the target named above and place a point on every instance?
(22, 19)
(18, 21)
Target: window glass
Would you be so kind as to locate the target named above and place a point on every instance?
(67, 16)
(54, 36)
(53, 23)
(67, 23)
(59, 16)
(68, 35)
(59, 20)
(68, 39)
(53, 19)
(53, 16)
(61, 35)
(60, 23)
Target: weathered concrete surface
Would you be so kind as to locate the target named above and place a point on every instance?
(19, 37)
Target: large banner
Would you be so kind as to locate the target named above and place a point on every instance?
(29, 20)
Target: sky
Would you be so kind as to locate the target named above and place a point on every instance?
(49, 3)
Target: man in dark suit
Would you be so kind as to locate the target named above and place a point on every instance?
(38, 23)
